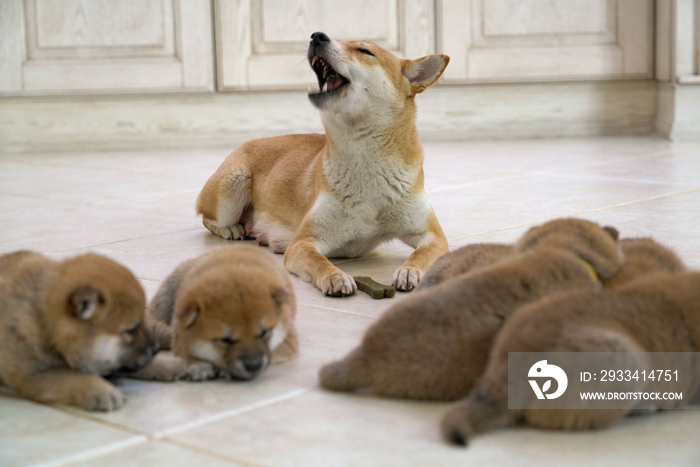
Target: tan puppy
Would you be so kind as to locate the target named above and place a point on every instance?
(465, 259)
(229, 311)
(658, 313)
(643, 257)
(343, 193)
(65, 324)
(436, 344)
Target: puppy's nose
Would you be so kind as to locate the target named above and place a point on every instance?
(253, 365)
(319, 38)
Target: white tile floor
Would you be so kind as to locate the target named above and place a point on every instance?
(138, 208)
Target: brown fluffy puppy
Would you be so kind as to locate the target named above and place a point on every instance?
(644, 256)
(435, 344)
(229, 311)
(65, 324)
(462, 260)
(658, 313)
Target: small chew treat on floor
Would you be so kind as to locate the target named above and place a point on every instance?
(373, 288)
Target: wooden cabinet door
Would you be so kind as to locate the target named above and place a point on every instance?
(75, 46)
(261, 44)
(542, 40)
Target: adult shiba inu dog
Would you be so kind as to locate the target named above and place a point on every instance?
(230, 311)
(65, 324)
(340, 194)
(435, 344)
(656, 313)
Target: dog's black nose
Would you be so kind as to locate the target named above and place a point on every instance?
(319, 38)
(253, 365)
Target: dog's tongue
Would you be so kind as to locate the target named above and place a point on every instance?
(333, 85)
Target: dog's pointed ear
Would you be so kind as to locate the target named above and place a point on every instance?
(188, 315)
(614, 233)
(84, 301)
(423, 72)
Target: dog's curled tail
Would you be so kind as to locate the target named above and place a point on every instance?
(346, 375)
(477, 413)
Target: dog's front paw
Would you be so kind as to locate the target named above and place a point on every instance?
(164, 367)
(201, 371)
(98, 395)
(406, 279)
(337, 284)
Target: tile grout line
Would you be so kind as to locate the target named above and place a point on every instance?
(206, 452)
(553, 170)
(230, 413)
(94, 452)
(122, 241)
(325, 308)
(590, 211)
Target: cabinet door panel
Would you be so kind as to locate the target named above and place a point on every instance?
(73, 46)
(261, 44)
(525, 40)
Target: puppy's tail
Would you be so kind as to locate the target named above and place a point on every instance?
(476, 414)
(346, 375)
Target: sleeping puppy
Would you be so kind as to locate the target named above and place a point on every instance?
(65, 324)
(465, 259)
(436, 344)
(230, 311)
(658, 313)
(643, 256)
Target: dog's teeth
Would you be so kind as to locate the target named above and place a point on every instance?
(325, 87)
(313, 60)
(325, 72)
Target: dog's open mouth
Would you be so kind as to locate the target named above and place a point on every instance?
(329, 80)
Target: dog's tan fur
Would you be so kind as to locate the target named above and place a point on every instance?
(463, 260)
(657, 313)
(340, 194)
(65, 324)
(436, 344)
(643, 257)
(230, 311)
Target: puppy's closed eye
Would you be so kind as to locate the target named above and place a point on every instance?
(264, 333)
(228, 340)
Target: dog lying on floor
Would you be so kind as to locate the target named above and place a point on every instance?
(436, 344)
(657, 313)
(229, 312)
(341, 194)
(65, 324)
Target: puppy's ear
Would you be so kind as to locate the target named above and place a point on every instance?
(280, 296)
(84, 301)
(614, 233)
(188, 316)
(423, 72)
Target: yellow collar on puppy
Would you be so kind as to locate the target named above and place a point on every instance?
(591, 270)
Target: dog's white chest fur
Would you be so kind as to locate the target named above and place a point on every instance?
(371, 200)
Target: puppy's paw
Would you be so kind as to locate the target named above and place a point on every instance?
(164, 367)
(201, 371)
(406, 279)
(337, 284)
(98, 395)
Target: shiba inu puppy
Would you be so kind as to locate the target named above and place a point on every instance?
(657, 313)
(436, 344)
(643, 257)
(340, 194)
(65, 324)
(230, 312)
(465, 259)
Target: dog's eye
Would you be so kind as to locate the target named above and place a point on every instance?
(133, 331)
(228, 340)
(366, 52)
(264, 333)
